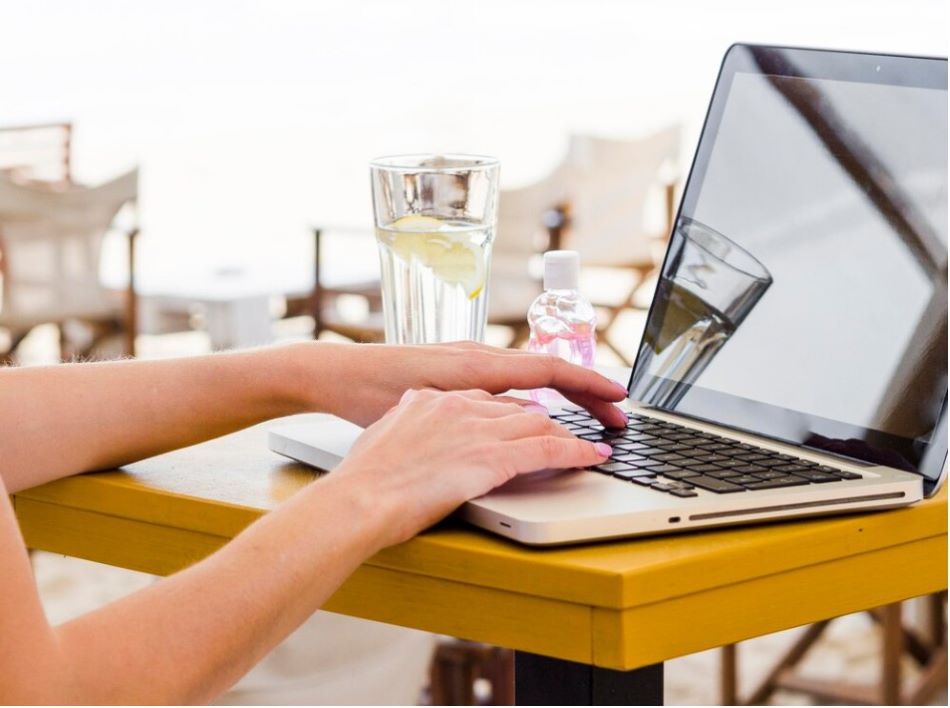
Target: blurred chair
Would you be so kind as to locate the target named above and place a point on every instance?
(41, 152)
(619, 209)
(460, 668)
(323, 304)
(50, 246)
(520, 238)
(897, 642)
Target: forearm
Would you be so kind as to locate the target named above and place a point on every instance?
(191, 636)
(64, 419)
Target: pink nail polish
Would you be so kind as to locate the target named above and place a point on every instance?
(621, 388)
(534, 408)
(603, 449)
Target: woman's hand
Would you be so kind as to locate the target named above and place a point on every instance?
(360, 382)
(436, 450)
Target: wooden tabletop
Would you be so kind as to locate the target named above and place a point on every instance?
(617, 605)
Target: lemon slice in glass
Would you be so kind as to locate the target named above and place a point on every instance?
(450, 254)
(458, 261)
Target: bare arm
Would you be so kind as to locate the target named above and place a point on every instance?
(190, 636)
(60, 420)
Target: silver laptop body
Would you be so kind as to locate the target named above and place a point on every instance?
(792, 353)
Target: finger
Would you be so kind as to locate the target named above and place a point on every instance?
(473, 404)
(432, 394)
(554, 452)
(505, 406)
(525, 425)
(500, 370)
(526, 403)
(607, 413)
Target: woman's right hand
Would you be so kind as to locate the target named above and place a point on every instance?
(436, 450)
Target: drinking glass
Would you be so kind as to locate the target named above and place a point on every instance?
(435, 223)
(708, 287)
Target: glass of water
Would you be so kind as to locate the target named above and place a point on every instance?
(435, 223)
(708, 287)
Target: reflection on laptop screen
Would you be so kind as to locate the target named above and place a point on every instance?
(804, 294)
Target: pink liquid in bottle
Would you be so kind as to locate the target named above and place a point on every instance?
(562, 321)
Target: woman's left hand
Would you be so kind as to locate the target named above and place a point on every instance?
(360, 382)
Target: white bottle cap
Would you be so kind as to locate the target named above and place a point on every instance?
(561, 270)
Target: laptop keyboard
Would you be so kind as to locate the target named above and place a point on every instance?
(678, 460)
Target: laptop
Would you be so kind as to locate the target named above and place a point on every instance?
(794, 357)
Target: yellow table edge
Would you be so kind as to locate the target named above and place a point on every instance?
(604, 637)
(584, 574)
(881, 561)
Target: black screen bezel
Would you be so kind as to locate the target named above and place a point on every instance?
(892, 70)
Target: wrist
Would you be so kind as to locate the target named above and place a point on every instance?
(367, 519)
(309, 372)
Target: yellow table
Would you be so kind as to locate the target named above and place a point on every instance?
(592, 624)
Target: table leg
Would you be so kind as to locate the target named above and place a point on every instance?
(540, 680)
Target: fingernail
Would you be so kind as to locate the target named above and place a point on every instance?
(603, 449)
(621, 388)
(535, 408)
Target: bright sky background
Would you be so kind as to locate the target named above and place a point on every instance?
(251, 120)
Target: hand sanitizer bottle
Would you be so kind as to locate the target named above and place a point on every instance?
(562, 321)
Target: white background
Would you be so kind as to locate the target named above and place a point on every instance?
(252, 120)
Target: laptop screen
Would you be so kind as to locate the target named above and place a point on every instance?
(804, 293)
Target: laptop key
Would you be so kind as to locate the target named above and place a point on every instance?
(681, 437)
(570, 417)
(745, 479)
(649, 451)
(668, 457)
(786, 481)
(727, 463)
(684, 493)
(710, 457)
(624, 456)
(818, 477)
(706, 468)
(841, 473)
(627, 447)
(770, 474)
(680, 474)
(593, 437)
(635, 437)
(714, 446)
(645, 481)
(750, 469)
(664, 469)
(630, 474)
(723, 474)
(790, 468)
(689, 462)
(614, 467)
(711, 484)
(770, 462)
(673, 446)
(751, 456)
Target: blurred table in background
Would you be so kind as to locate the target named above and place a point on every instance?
(236, 308)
